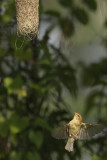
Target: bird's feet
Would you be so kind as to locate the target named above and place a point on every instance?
(75, 136)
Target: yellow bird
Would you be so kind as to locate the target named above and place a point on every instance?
(76, 129)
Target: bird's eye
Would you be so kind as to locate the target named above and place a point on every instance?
(78, 115)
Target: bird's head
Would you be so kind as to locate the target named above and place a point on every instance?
(77, 116)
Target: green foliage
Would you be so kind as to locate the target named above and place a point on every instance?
(66, 3)
(33, 76)
(42, 123)
(33, 156)
(81, 15)
(2, 51)
(18, 124)
(9, 11)
(53, 13)
(67, 27)
(4, 126)
(92, 4)
(98, 157)
(36, 138)
(15, 155)
(95, 76)
(14, 86)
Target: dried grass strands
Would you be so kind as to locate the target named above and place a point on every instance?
(27, 17)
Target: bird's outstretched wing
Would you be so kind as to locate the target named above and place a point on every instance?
(60, 132)
(87, 131)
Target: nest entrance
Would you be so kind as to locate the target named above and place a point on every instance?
(27, 17)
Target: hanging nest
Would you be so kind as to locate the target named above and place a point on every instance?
(27, 17)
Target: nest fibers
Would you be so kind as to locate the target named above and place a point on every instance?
(27, 17)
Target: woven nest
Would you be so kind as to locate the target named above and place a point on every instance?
(27, 17)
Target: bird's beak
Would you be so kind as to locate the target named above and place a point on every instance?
(74, 113)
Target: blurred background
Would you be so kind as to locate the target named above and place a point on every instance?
(45, 80)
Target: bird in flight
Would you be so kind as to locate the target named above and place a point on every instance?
(76, 129)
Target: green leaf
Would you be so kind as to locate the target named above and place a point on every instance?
(4, 126)
(93, 100)
(81, 15)
(24, 54)
(14, 86)
(42, 123)
(53, 13)
(9, 13)
(17, 82)
(41, 90)
(33, 156)
(8, 81)
(100, 157)
(19, 44)
(66, 3)
(92, 4)
(36, 138)
(95, 74)
(18, 124)
(105, 24)
(2, 52)
(15, 155)
(67, 26)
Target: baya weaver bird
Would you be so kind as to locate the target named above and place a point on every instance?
(76, 129)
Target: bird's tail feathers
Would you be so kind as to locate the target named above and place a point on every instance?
(69, 145)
